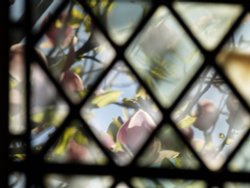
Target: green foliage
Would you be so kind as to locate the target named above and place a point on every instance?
(13, 83)
(63, 142)
(186, 122)
(114, 127)
(105, 98)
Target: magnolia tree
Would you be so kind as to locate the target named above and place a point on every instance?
(119, 112)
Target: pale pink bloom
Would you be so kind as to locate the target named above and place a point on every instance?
(134, 132)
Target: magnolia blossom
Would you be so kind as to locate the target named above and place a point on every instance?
(77, 152)
(134, 132)
(71, 81)
(208, 114)
(57, 34)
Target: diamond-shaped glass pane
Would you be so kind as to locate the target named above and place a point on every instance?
(208, 21)
(167, 150)
(77, 181)
(48, 110)
(240, 162)
(17, 91)
(236, 185)
(216, 116)
(164, 56)
(17, 180)
(234, 58)
(122, 113)
(76, 53)
(120, 17)
(75, 145)
(152, 183)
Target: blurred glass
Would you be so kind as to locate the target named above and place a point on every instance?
(234, 58)
(241, 161)
(120, 17)
(76, 146)
(76, 52)
(17, 180)
(17, 150)
(122, 185)
(16, 9)
(164, 56)
(47, 109)
(17, 93)
(77, 181)
(236, 185)
(208, 21)
(122, 110)
(168, 151)
(152, 183)
(216, 116)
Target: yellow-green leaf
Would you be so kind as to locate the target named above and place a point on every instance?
(62, 146)
(186, 122)
(106, 98)
(114, 127)
(169, 154)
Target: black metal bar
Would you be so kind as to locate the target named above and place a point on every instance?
(4, 94)
(123, 173)
(36, 168)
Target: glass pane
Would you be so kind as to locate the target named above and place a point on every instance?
(162, 183)
(17, 180)
(122, 185)
(17, 150)
(236, 185)
(40, 9)
(17, 89)
(47, 110)
(76, 52)
(75, 145)
(240, 162)
(168, 151)
(208, 21)
(121, 109)
(16, 9)
(164, 56)
(56, 180)
(216, 116)
(234, 58)
(120, 17)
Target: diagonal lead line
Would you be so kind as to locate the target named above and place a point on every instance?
(37, 36)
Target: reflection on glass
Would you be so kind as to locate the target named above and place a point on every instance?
(17, 89)
(234, 58)
(17, 180)
(121, 109)
(47, 109)
(209, 22)
(56, 180)
(164, 56)
(236, 185)
(216, 116)
(241, 161)
(168, 151)
(120, 17)
(76, 51)
(152, 183)
(76, 146)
